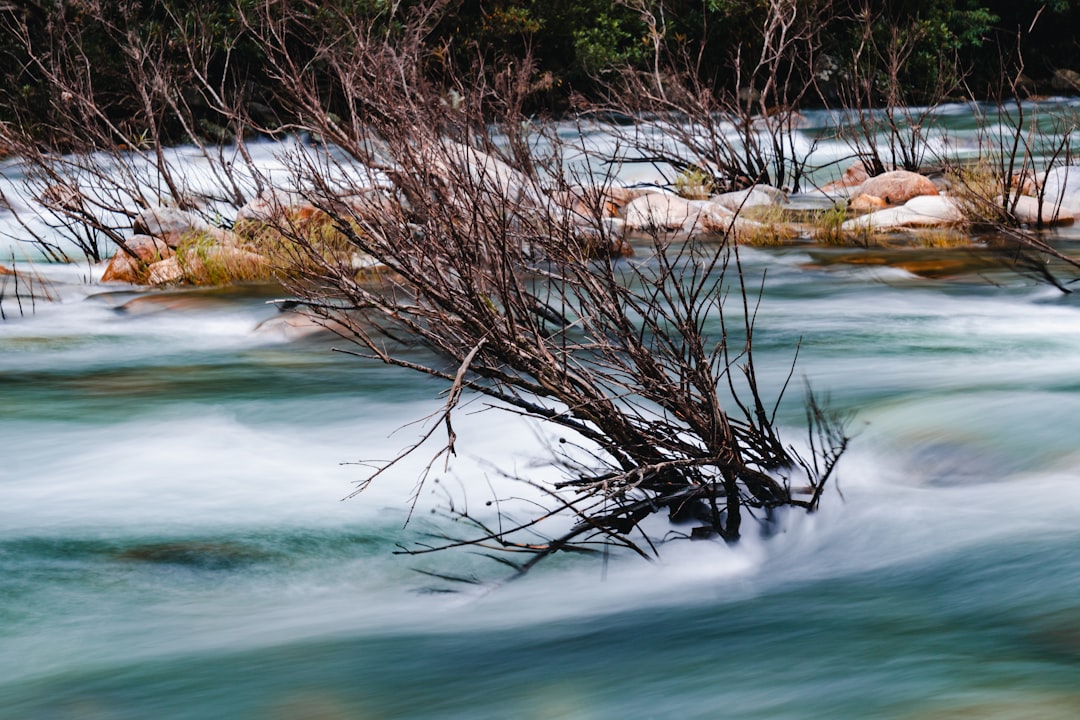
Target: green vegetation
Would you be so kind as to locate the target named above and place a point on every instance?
(576, 45)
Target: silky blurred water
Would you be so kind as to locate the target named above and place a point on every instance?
(175, 542)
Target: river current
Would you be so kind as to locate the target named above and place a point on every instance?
(175, 540)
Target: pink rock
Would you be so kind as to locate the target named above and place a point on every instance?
(899, 186)
(125, 268)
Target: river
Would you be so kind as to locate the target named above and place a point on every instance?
(175, 540)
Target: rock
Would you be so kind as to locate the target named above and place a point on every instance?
(162, 221)
(6, 270)
(899, 186)
(172, 225)
(622, 196)
(1026, 182)
(1065, 79)
(852, 178)
(149, 249)
(863, 203)
(485, 171)
(271, 204)
(919, 212)
(62, 197)
(165, 272)
(941, 207)
(1062, 186)
(755, 196)
(667, 212)
(661, 211)
(125, 268)
(1027, 211)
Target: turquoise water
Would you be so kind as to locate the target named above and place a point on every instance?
(175, 540)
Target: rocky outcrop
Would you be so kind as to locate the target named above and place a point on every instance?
(606, 241)
(173, 246)
(664, 212)
(485, 171)
(898, 186)
(272, 204)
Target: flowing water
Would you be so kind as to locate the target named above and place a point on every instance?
(174, 542)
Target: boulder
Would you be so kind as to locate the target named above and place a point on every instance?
(852, 178)
(125, 268)
(622, 196)
(162, 221)
(662, 211)
(898, 186)
(919, 212)
(754, 196)
(274, 205)
(1062, 186)
(666, 212)
(866, 203)
(149, 249)
(458, 162)
(1025, 86)
(1027, 211)
(165, 272)
(1027, 182)
(271, 204)
(1065, 79)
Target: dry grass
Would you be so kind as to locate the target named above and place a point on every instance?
(204, 261)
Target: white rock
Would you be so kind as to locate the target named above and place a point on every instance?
(919, 212)
(1062, 186)
(1027, 211)
(665, 211)
(755, 196)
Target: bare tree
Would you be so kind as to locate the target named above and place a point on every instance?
(888, 123)
(491, 262)
(735, 131)
(499, 261)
